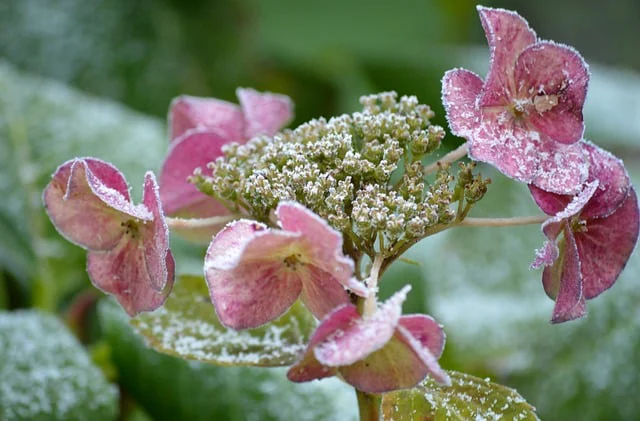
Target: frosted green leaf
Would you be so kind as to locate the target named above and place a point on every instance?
(468, 398)
(187, 327)
(46, 374)
(171, 388)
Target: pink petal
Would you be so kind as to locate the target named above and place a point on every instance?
(512, 149)
(189, 112)
(563, 281)
(193, 150)
(546, 255)
(614, 182)
(123, 272)
(265, 113)
(508, 34)
(249, 283)
(155, 235)
(550, 69)
(606, 246)
(395, 366)
(550, 203)
(562, 168)
(323, 242)
(460, 90)
(89, 208)
(363, 336)
(429, 360)
(321, 291)
(309, 368)
(426, 331)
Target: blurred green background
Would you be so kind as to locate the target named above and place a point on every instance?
(95, 77)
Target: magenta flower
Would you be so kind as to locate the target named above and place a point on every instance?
(599, 228)
(128, 245)
(379, 353)
(255, 273)
(526, 117)
(199, 128)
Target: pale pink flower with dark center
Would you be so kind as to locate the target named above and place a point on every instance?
(378, 353)
(256, 273)
(599, 228)
(526, 117)
(128, 245)
(199, 128)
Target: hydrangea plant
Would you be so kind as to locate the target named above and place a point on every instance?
(302, 223)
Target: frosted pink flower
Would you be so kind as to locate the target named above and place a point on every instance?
(255, 273)
(199, 128)
(526, 117)
(376, 354)
(128, 245)
(599, 228)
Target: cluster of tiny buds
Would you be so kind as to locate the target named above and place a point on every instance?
(361, 172)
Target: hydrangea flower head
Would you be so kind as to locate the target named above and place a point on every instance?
(599, 228)
(526, 117)
(199, 128)
(255, 273)
(378, 353)
(128, 245)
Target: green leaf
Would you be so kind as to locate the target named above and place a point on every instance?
(171, 388)
(187, 326)
(468, 398)
(47, 375)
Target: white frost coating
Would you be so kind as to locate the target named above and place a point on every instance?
(45, 372)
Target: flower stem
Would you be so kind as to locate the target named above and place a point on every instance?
(368, 406)
(502, 222)
(193, 223)
(370, 304)
(452, 156)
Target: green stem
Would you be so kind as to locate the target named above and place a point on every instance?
(371, 302)
(452, 156)
(368, 406)
(193, 223)
(502, 222)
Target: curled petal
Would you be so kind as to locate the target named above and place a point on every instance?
(155, 235)
(395, 366)
(189, 112)
(309, 368)
(90, 208)
(363, 336)
(556, 76)
(265, 113)
(614, 183)
(546, 255)
(193, 150)
(508, 34)
(250, 283)
(460, 90)
(606, 245)
(124, 273)
(563, 282)
(426, 331)
(324, 244)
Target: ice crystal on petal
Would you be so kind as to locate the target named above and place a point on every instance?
(599, 229)
(128, 245)
(255, 273)
(527, 115)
